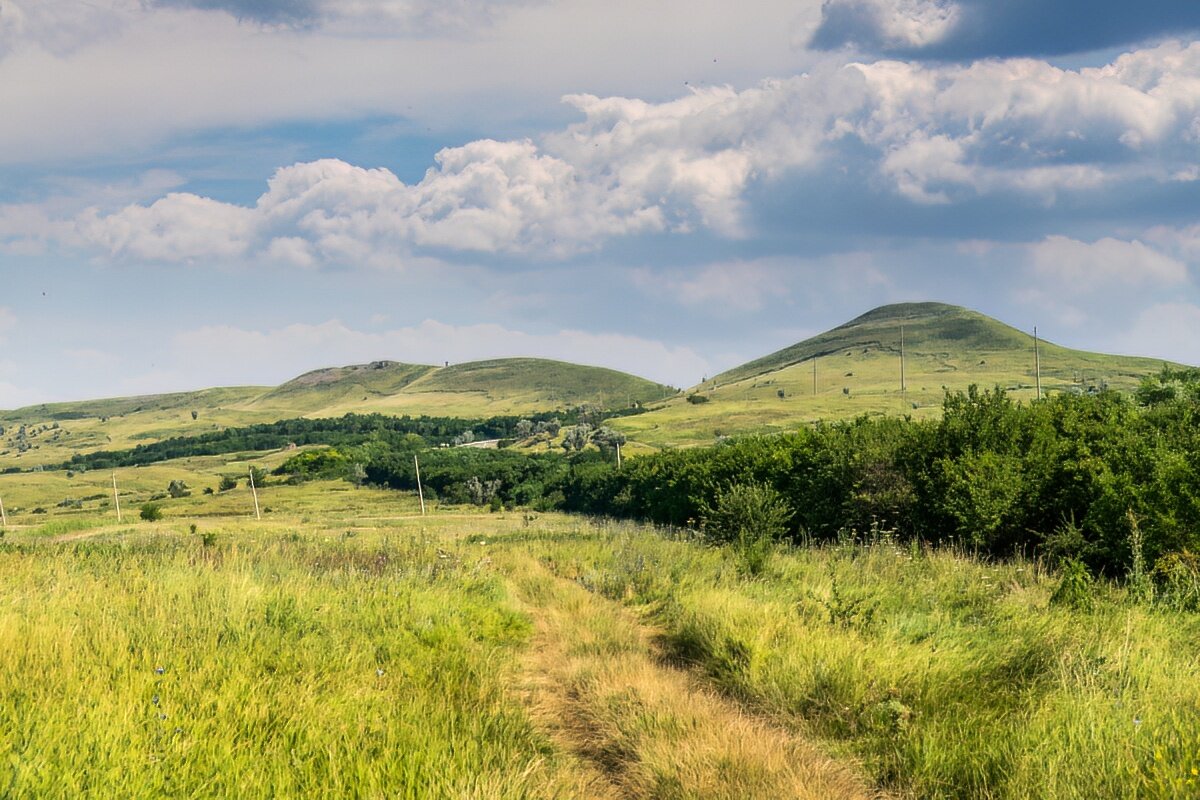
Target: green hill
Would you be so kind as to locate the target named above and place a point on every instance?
(855, 369)
(52, 432)
(850, 370)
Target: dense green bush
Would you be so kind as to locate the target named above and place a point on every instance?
(1068, 476)
(745, 512)
(751, 517)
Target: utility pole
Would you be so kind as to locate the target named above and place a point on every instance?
(116, 497)
(903, 386)
(420, 491)
(1037, 362)
(254, 491)
(618, 455)
(3, 516)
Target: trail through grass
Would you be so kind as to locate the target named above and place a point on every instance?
(648, 730)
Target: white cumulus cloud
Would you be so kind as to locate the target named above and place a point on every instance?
(1165, 330)
(932, 134)
(1089, 266)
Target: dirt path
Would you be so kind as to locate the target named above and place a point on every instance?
(641, 729)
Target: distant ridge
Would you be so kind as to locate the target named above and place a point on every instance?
(541, 384)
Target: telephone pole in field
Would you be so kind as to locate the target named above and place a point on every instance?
(1037, 362)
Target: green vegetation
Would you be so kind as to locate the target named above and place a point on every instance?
(949, 677)
(265, 667)
(48, 434)
(1092, 478)
(348, 646)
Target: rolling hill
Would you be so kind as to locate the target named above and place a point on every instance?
(854, 369)
(850, 370)
(55, 431)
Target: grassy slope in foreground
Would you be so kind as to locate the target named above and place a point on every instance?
(301, 653)
(858, 372)
(476, 389)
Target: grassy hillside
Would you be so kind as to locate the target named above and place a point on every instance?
(856, 367)
(54, 432)
(857, 371)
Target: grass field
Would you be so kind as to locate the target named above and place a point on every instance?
(346, 646)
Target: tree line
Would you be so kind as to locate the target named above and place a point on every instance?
(1104, 480)
(350, 430)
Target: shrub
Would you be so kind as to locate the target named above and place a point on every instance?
(259, 475)
(1178, 579)
(750, 517)
(1074, 588)
(227, 482)
(178, 489)
(151, 512)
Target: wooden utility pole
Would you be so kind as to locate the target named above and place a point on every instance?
(903, 386)
(3, 516)
(1037, 362)
(618, 455)
(420, 491)
(254, 491)
(116, 497)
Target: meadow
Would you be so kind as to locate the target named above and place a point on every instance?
(344, 645)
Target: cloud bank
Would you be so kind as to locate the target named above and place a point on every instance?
(928, 135)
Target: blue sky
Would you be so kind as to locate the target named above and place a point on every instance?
(210, 192)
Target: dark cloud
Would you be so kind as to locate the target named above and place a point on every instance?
(984, 28)
(415, 17)
(269, 12)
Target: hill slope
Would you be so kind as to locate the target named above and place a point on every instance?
(53, 432)
(855, 369)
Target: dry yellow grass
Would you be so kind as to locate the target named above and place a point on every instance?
(644, 729)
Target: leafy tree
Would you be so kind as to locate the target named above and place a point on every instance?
(607, 439)
(150, 512)
(577, 437)
(258, 475)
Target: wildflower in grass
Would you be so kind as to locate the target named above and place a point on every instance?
(159, 670)
(378, 673)
(154, 700)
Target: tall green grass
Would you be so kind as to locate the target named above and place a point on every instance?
(949, 677)
(260, 667)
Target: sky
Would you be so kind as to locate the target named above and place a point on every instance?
(222, 192)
